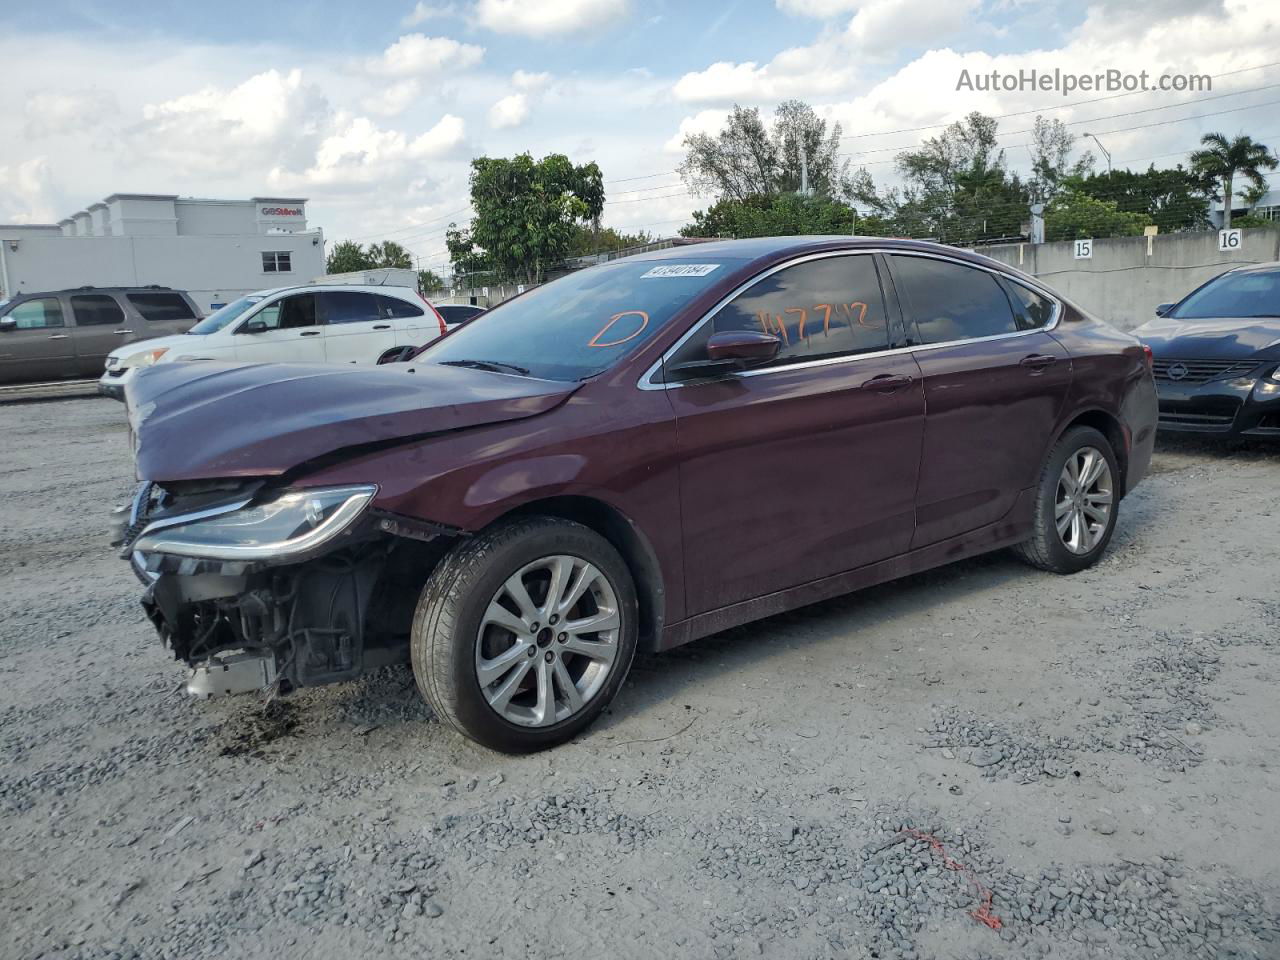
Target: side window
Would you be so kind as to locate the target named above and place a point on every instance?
(344, 306)
(96, 310)
(36, 314)
(398, 309)
(950, 301)
(161, 306)
(1031, 310)
(287, 313)
(830, 307)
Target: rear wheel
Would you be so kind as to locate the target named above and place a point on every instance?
(1076, 501)
(524, 634)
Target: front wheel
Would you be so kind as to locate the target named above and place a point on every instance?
(524, 633)
(1076, 502)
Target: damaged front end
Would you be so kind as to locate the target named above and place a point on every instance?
(267, 588)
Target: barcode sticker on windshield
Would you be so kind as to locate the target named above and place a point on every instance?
(681, 270)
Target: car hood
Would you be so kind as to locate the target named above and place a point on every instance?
(173, 342)
(1226, 338)
(208, 420)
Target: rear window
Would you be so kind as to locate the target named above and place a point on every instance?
(582, 324)
(398, 309)
(1233, 295)
(950, 301)
(344, 306)
(161, 306)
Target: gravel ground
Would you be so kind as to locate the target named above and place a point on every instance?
(979, 762)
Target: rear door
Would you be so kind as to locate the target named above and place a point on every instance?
(162, 313)
(355, 331)
(287, 330)
(101, 325)
(416, 323)
(37, 345)
(994, 384)
(806, 467)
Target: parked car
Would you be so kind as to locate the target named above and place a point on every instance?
(1217, 356)
(67, 334)
(630, 457)
(309, 324)
(456, 313)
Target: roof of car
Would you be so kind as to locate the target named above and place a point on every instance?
(320, 287)
(756, 247)
(149, 288)
(1272, 267)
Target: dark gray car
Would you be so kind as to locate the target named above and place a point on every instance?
(67, 334)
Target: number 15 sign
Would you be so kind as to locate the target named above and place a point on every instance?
(1084, 249)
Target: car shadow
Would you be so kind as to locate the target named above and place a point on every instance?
(1243, 449)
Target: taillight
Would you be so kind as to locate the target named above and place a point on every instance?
(1151, 360)
(440, 320)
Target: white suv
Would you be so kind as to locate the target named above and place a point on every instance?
(320, 324)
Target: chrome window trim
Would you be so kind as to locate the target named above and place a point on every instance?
(646, 381)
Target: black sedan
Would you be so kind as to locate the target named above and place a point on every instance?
(1217, 356)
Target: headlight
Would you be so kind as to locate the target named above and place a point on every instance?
(292, 523)
(144, 358)
(1274, 375)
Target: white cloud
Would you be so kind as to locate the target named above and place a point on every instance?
(545, 19)
(270, 116)
(415, 54)
(892, 24)
(422, 12)
(25, 190)
(530, 82)
(358, 152)
(53, 113)
(825, 68)
(395, 98)
(510, 111)
(705, 121)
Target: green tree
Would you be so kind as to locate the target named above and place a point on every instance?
(428, 281)
(1073, 215)
(774, 215)
(748, 159)
(347, 257)
(1224, 159)
(527, 212)
(589, 239)
(1174, 199)
(388, 253)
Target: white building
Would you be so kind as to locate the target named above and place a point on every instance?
(213, 249)
(1268, 208)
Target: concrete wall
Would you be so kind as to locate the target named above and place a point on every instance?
(1127, 277)
(212, 269)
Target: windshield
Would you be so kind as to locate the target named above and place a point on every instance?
(221, 317)
(1233, 295)
(579, 325)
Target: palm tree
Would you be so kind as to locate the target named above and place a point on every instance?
(1222, 159)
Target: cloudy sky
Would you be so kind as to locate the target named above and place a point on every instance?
(373, 109)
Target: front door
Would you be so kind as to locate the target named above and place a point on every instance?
(355, 331)
(287, 330)
(994, 385)
(36, 345)
(806, 467)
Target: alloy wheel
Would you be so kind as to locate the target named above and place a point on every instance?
(1082, 508)
(547, 641)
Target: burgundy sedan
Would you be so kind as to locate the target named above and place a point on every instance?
(631, 457)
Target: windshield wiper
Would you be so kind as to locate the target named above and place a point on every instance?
(494, 366)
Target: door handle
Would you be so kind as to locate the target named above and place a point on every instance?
(58, 336)
(1038, 361)
(309, 333)
(887, 383)
(121, 332)
(382, 326)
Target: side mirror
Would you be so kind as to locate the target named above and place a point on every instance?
(8, 323)
(254, 326)
(730, 351)
(1164, 308)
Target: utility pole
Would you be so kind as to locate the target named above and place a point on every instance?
(1037, 222)
(804, 170)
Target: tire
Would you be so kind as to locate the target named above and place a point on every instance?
(467, 619)
(1048, 548)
